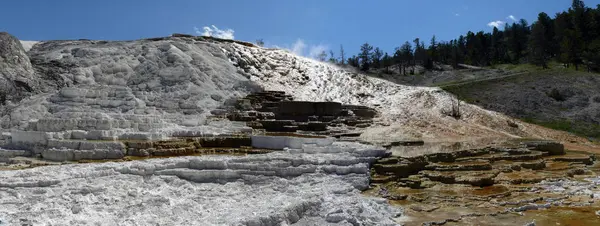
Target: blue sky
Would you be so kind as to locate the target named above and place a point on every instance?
(304, 25)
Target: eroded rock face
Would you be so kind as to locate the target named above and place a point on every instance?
(136, 86)
(17, 77)
(96, 93)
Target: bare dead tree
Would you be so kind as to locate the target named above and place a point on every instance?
(455, 113)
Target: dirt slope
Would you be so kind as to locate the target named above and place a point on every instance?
(558, 99)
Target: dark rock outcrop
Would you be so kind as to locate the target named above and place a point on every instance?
(17, 77)
(191, 146)
(275, 111)
(550, 147)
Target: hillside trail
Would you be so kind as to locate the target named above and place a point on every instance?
(471, 81)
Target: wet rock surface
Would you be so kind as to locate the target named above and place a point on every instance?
(233, 145)
(80, 135)
(314, 185)
(514, 185)
(275, 111)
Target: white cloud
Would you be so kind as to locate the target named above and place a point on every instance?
(497, 23)
(511, 17)
(456, 14)
(214, 31)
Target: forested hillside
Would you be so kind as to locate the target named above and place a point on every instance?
(571, 37)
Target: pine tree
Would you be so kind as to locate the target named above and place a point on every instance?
(353, 61)
(406, 56)
(386, 62)
(538, 45)
(561, 27)
(472, 50)
(572, 48)
(332, 57)
(433, 49)
(591, 54)
(577, 4)
(571, 37)
(342, 55)
(376, 58)
(482, 43)
(455, 58)
(397, 58)
(461, 44)
(420, 55)
(442, 52)
(322, 56)
(548, 24)
(496, 46)
(365, 56)
(578, 16)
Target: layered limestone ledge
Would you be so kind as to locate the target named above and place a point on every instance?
(85, 145)
(30, 137)
(78, 145)
(140, 123)
(281, 142)
(120, 99)
(64, 154)
(6, 155)
(5, 138)
(116, 99)
(305, 186)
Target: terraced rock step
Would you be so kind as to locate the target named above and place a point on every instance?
(313, 185)
(575, 158)
(459, 167)
(190, 146)
(520, 177)
(475, 178)
(488, 186)
(69, 151)
(275, 111)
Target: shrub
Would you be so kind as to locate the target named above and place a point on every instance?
(556, 95)
(454, 110)
(512, 124)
